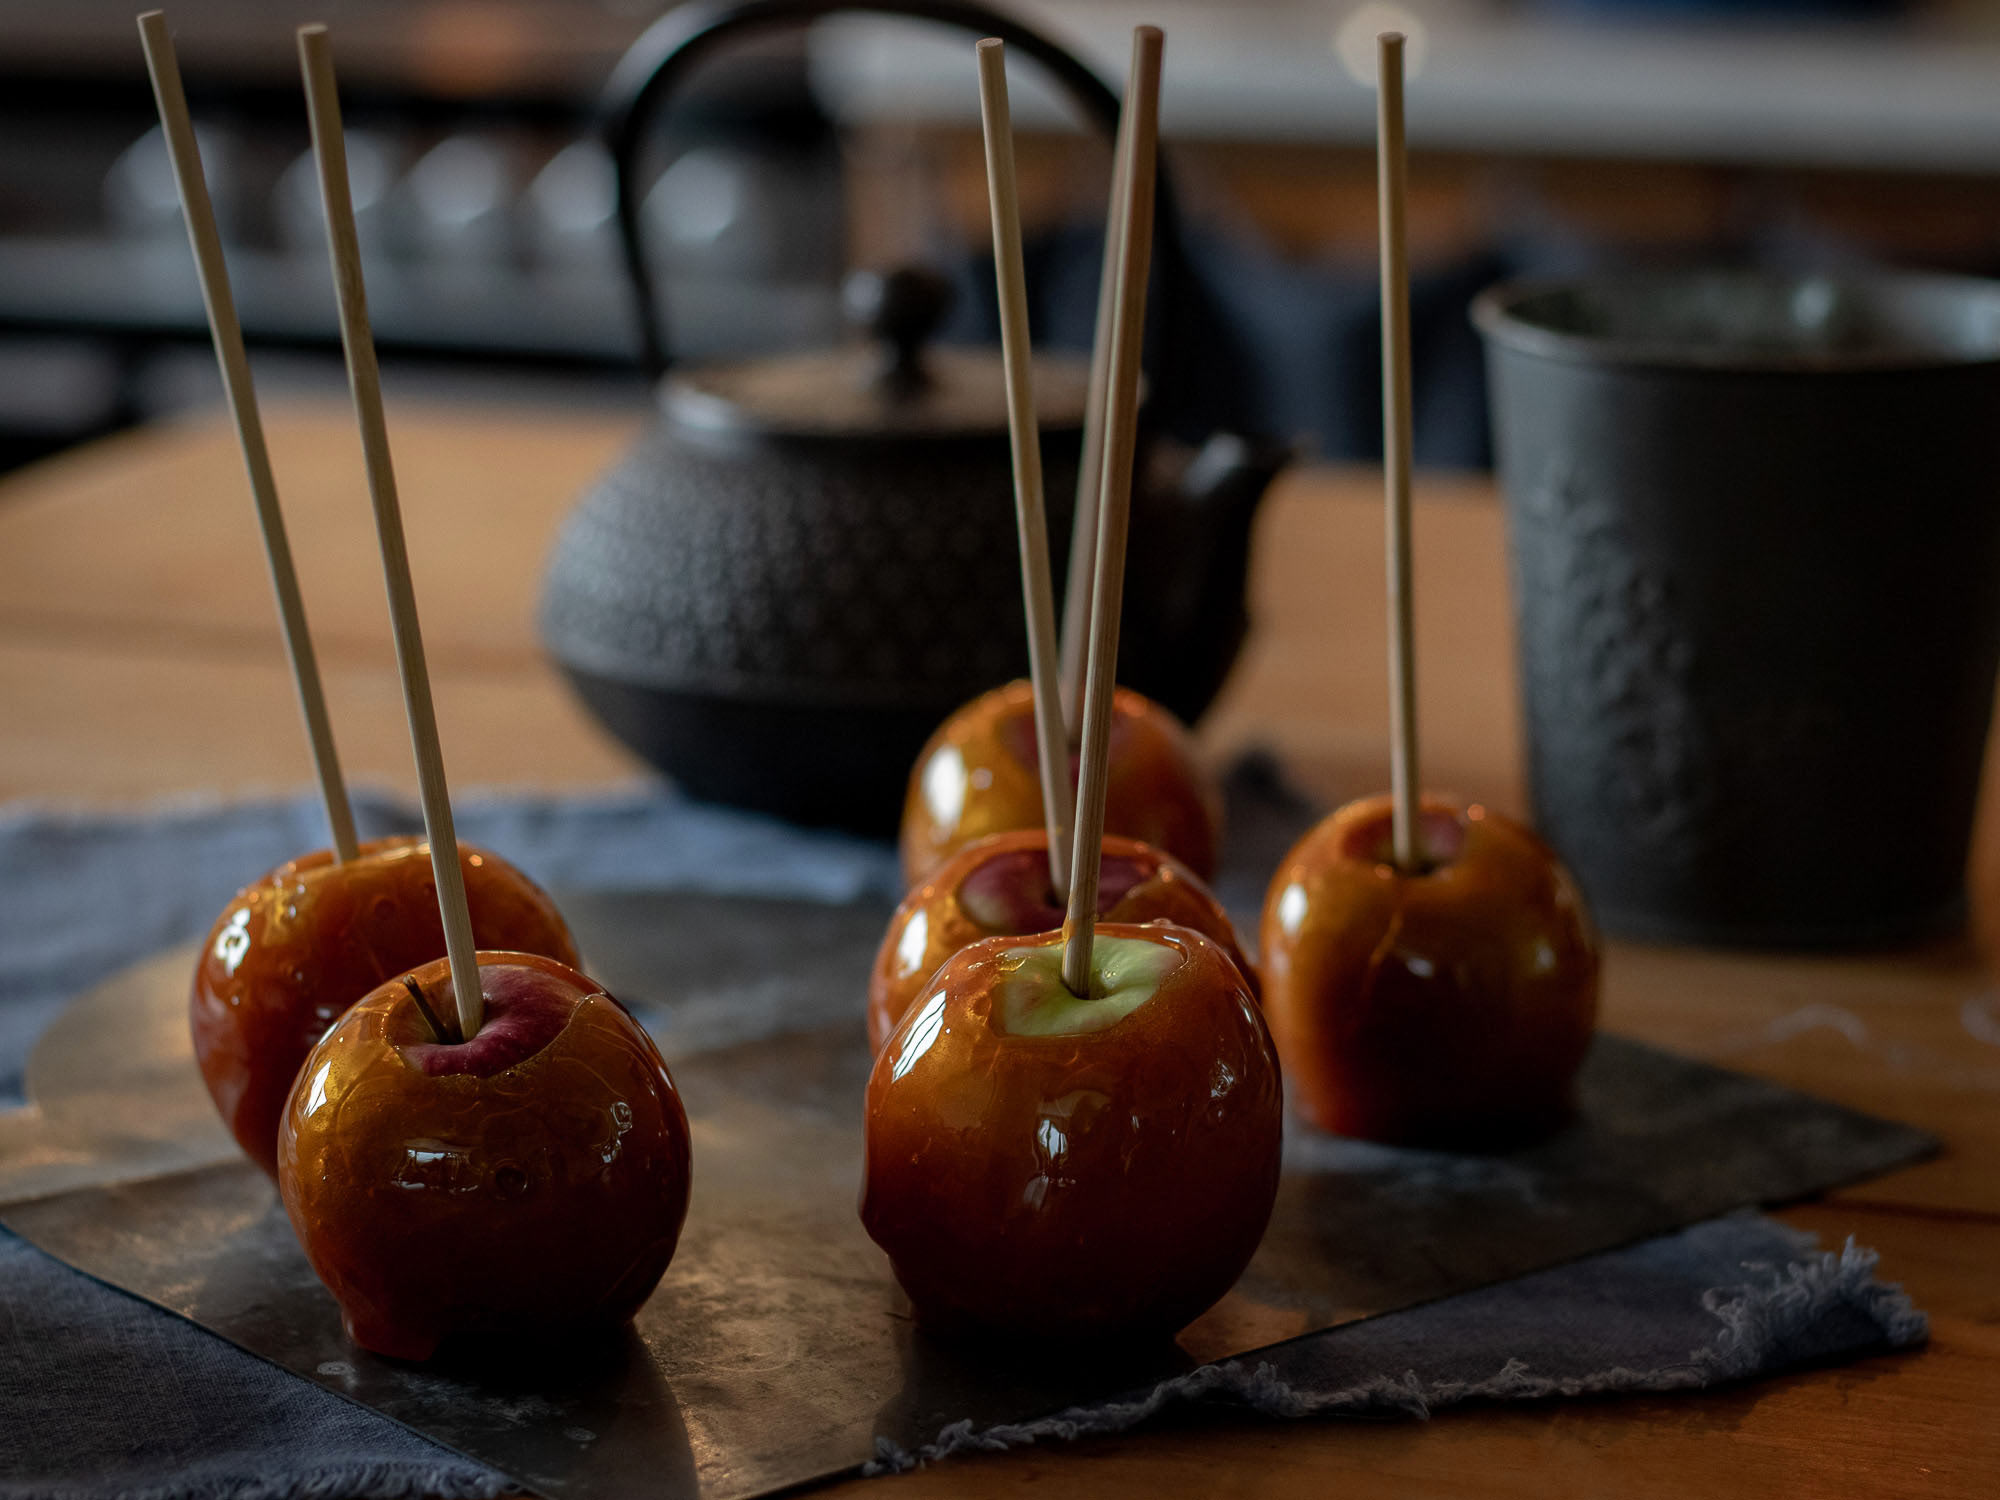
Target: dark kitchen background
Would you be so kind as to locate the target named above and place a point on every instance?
(1547, 136)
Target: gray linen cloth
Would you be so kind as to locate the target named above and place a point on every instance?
(105, 1397)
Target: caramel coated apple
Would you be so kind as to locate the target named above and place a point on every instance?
(1049, 1168)
(294, 949)
(1000, 887)
(980, 775)
(1450, 1006)
(528, 1183)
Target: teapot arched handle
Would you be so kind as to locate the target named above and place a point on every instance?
(658, 62)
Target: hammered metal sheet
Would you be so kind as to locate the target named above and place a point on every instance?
(778, 1349)
(102, 1113)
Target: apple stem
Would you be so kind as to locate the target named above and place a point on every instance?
(226, 333)
(1135, 239)
(1030, 514)
(438, 1031)
(1090, 467)
(1391, 174)
(364, 378)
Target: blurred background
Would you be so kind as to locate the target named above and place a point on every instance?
(1549, 135)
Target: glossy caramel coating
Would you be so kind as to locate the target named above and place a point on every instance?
(955, 905)
(292, 950)
(1449, 1007)
(530, 1185)
(1057, 1188)
(979, 774)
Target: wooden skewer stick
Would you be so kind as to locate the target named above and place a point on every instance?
(1031, 517)
(227, 335)
(1390, 174)
(364, 379)
(1135, 239)
(1090, 465)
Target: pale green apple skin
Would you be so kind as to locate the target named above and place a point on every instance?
(1124, 974)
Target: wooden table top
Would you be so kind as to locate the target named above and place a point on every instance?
(139, 659)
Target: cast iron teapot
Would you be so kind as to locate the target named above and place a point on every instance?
(809, 560)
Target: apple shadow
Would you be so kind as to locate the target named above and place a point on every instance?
(948, 1378)
(587, 1417)
(584, 1417)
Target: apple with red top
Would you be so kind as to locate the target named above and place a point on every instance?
(1447, 1005)
(1000, 887)
(529, 1181)
(1050, 1167)
(294, 949)
(979, 774)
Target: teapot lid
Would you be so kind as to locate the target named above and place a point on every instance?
(896, 388)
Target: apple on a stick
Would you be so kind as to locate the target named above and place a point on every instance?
(487, 1102)
(1076, 1135)
(1045, 1166)
(1430, 973)
(296, 947)
(529, 1182)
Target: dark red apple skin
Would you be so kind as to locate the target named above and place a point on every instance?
(979, 774)
(999, 887)
(530, 1184)
(1447, 1008)
(294, 949)
(1053, 1190)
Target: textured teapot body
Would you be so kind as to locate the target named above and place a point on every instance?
(828, 571)
(779, 623)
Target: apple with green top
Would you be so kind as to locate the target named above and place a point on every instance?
(980, 774)
(1001, 887)
(1449, 1004)
(1073, 1135)
(293, 949)
(1047, 1166)
(529, 1181)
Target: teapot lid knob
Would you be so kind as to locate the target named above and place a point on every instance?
(904, 386)
(902, 309)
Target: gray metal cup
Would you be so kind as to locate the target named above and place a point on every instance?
(1755, 533)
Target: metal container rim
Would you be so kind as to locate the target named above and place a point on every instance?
(1934, 321)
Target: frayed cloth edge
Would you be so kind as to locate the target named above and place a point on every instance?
(1763, 1324)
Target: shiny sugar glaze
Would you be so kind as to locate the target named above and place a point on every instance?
(529, 1185)
(1447, 1007)
(293, 950)
(1000, 887)
(979, 774)
(1110, 1183)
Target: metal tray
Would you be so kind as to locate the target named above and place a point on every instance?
(778, 1348)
